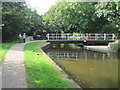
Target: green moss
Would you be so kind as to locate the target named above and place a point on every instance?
(39, 70)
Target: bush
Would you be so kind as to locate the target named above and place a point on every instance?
(36, 37)
(115, 46)
(30, 39)
(39, 37)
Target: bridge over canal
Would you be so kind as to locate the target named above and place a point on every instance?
(81, 38)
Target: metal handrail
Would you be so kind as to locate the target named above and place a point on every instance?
(80, 36)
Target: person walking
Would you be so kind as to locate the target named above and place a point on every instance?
(20, 38)
(24, 37)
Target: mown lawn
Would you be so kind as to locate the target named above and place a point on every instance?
(40, 73)
(4, 47)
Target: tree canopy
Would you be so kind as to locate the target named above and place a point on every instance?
(110, 10)
(19, 18)
(79, 17)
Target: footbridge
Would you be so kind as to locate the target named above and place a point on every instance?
(81, 38)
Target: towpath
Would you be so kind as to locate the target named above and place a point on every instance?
(12, 70)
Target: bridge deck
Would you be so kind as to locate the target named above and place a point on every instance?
(96, 42)
(79, 41)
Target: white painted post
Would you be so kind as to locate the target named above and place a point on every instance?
(104, 36)
(86, 36)
(113, 36)
(81, 35)
(77, 36)
(67, 55)
(56, 36)
(96, 36)
(67, 36)
(60, 36)
(48, 36)
(73, 36)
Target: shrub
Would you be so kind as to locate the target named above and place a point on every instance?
(115, 46)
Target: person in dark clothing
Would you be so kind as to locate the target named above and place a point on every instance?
(24, 37)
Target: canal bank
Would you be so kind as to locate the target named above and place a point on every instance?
(111, 47)
(104, 49)
(65, 75)
(86, 67)
(40, 72)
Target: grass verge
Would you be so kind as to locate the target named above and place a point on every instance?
(4, 47)
(40, 72)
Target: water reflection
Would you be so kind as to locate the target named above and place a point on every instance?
(73, 52)
(90, 69)
(77, 56)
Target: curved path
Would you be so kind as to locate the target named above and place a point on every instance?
(13, 70)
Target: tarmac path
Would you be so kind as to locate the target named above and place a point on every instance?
(13, 70)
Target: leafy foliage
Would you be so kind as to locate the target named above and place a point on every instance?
(18, 18)
(110, 10)
(78, 17)
(75, 17)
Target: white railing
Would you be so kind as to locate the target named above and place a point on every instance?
(80, 36)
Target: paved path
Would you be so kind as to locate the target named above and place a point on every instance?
(13, 71)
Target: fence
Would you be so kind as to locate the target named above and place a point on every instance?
(80, 36)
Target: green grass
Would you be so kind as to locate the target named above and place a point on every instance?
(30, 39)
(40, 73)
(4, 47)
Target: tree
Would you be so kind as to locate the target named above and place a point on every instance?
(18, 18)
(74, 17)
(110, 10)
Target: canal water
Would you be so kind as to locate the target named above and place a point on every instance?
(88, 68)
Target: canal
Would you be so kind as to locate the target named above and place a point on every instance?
(88, 68)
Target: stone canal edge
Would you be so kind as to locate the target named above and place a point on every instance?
(64, 74)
